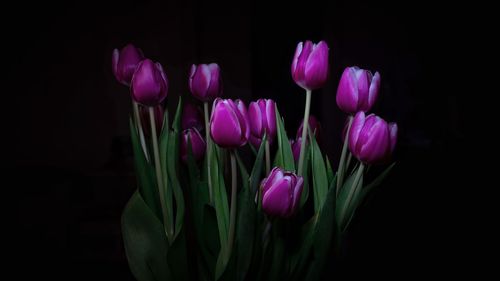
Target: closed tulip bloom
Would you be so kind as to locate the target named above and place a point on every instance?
(371, 139)
(197, 144)
(262, 117)
(358, 90)
(149, 83)
(281, 192)
(310, 65)
(124, 63)
(205, 81)
(229, 126)
(192, 117)
(314, 127)
(145, 119)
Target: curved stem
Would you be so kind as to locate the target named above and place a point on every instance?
(209, 151)
(342, 164)
(232, 212)
(305, 128)
(161, 187)
(268, 157)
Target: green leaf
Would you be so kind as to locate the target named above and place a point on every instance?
(325, 230)
(173, 163)
(300, 258)
(342, 204)
(163, 163)
(329, 170)
(245, 229)
(320, 178)
(177, 258)
(243, 171)
(255, 176)
(220, 197)
(305, 189)
(145, 241)
(377, 181)
(284, 156)
(146, 179)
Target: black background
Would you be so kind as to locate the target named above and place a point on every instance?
(66, 128)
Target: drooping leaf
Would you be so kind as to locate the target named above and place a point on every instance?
(145, 241)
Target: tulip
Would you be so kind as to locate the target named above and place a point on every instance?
(149, 83)
(314, 127)
(310, 65)
(262, 117)
(125, 62)
(197, 144)
(146, 124)
(358, 90)
(281, 192)
(192, 117)
(229, 126)
(371, 139)
(205, 81)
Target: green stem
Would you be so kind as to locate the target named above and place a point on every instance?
(304, 132)
(352, 191)
(140, 131)
(268, 157)
(341, 171)
(232, 212)
(161, 187)
(209, 151)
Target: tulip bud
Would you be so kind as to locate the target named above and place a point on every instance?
(314, 127)
(197, 144)
(125, 62)
(281, 192)
(262, 117)
(371, 139)
(295, 144)
(229, 126)
(358, 90)
(310, 65)
(205, 81)
(145, 119)
(149, 83)
(192, 117)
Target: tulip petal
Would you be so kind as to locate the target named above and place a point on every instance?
(297, 192)
(393, 135)
(373, 91)
(375, 142)
(114, 63)
(275, 175)
(347, 91)
(356, 126)
(255, 119)
(270, 111)
(316, 69)
(277, 199)
(215, 86)
(200, 82)
(225, 128)
(300, 67)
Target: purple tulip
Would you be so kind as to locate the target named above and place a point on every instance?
(149, 83)
(371, 139)
(295, 144)
(310, 65)
(125, 62)
(205, 81)
(281, 192)
(358, 90)
(145, 119)
(197, 144)
(262, 117)
(229, 126)
(192, 117)
(314, 126)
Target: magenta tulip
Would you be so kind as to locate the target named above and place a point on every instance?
(229, 126)
(125, 62)
(295, 144)
(192, 117)
(310, 65)
(358, 90)
(205, 81)
(149, 84)
(281, 192)
(262, 117)
(314, 127)
(145, 119)
(197, 145)
(371, 139)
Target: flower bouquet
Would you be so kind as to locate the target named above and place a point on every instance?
(224, 194)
